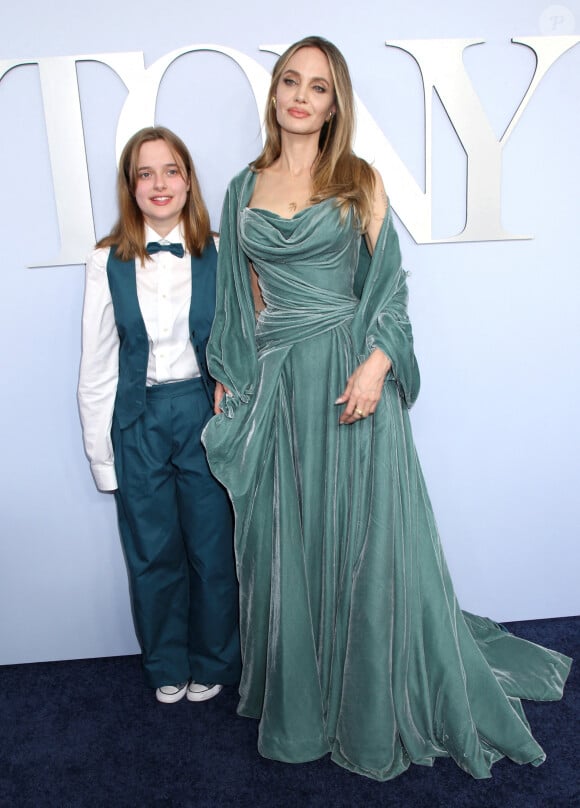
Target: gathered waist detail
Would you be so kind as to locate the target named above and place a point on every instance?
(280, 327)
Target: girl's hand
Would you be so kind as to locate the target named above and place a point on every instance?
(219, 392)
(363, 389)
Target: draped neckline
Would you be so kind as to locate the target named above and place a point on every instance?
(297, 215)
(246, 196)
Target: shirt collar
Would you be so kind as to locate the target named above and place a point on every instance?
(173, 237)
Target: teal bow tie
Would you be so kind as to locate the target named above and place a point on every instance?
(155, 247)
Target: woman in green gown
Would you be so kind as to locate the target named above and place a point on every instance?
(352, 639)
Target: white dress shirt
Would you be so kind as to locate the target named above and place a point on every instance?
(164, 295)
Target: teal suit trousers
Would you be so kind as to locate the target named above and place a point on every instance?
(176, 528)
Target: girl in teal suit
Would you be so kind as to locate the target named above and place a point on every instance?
(144, 396)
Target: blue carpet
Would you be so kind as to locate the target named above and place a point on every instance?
(89, 733)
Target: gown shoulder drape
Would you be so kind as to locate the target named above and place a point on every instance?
(353, 642)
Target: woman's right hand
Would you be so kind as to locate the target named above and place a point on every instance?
(220, 391)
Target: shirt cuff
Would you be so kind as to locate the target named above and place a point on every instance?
(105, 477)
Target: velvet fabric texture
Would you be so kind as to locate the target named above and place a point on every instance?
(352, 639)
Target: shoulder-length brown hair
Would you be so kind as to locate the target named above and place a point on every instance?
(337, 171)
(128, 234)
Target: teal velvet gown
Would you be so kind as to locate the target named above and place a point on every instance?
(353, 642)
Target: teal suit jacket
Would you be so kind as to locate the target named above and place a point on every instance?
(134, 343)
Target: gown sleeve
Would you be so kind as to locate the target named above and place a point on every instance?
(381, 320)
(231, 352)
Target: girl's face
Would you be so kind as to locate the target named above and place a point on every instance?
(161, 190)
(305, 92)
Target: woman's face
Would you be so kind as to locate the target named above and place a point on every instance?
(161, 190)
(305, 92)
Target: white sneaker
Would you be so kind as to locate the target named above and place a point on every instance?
(199, 692)
(169, 694)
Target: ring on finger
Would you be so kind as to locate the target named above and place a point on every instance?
(359, 412)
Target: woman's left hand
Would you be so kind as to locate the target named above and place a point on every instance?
(363, 389)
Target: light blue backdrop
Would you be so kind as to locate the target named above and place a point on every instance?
(496, 324)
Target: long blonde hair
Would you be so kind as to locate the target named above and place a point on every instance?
(337, 171)
(128, 234)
